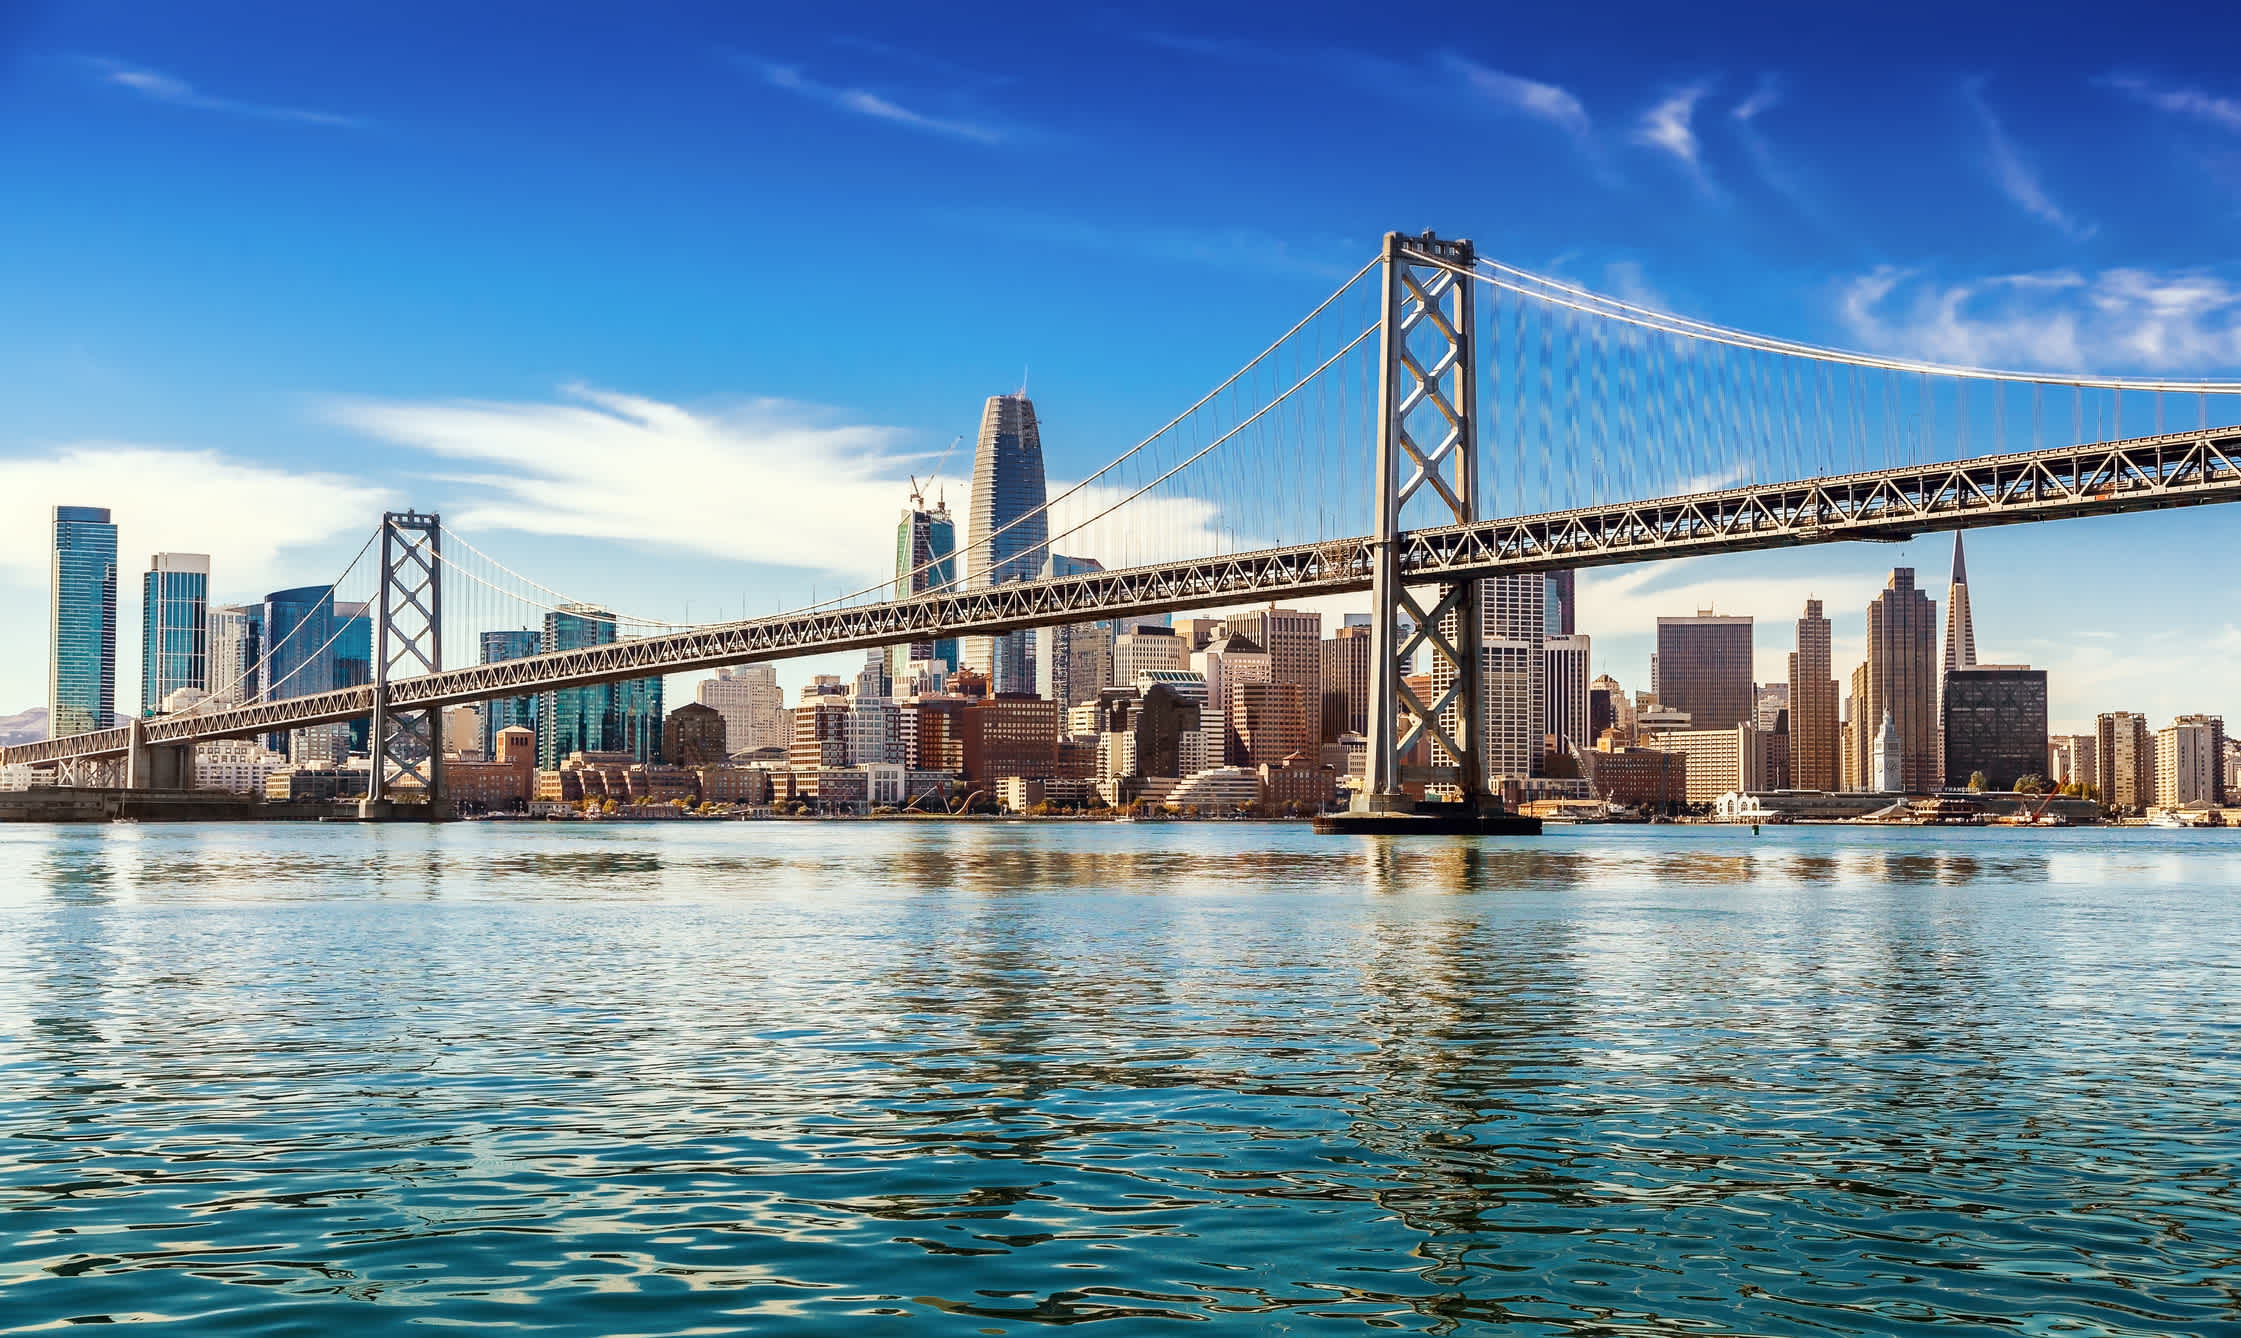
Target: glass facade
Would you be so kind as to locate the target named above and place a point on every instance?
(354, 661)
(507, 712)
(603, 718)
(1010, 532)
(1995, 722)
(236, 642)
(300, 659)
(925, 537)
(1704, 668)
(174, 635)
(82, 670)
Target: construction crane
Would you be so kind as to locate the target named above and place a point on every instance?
(917, 489)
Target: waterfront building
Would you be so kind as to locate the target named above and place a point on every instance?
(2124, 760)
(1346, 674)
(2190, 762)
(1010, 734)
(1995, 722)
(1226, 662)
(1652, 779)
(235, 642)
(752, 704)
(1812, 706)
(174, 627)
(1889, 758)
(1217, 790)
(235, 766)
(503, 713)
(1901, 682)
(620, 717)
(1300, 783)
(1564, 674)
(1009, 532)
(1719, 760)
(504, 782)
(1072, 663)
(1703, 667)
(925, 560)
(82, 622)
(694, 735)
(2071, 759)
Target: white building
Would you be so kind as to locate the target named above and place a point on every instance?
(2187, 761)
(234, 650)
(1513, 680)
(235, 766)
(1217, 790)
(1886, 768)
(1225, 663)
(875, 732)
(753, 707)
(1146, 649)
(1565, 679)
(1719, 760)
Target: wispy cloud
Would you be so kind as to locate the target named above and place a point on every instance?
(1228, 248)
(1543, 102)
(1669, 126)
(157, 86)
(2117, 320)
(2013, 175)
(1780, 176)
(2222, 112)
(1764, 98)
(864, 102)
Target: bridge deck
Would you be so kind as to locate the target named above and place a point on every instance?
(2147, 473)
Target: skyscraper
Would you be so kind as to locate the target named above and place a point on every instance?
(1513, 685)
(752, 704)
(603, 718)
(1564, 673)
(1703, 667)
(1902, 679)
(1562, 615)
(1075, 662)
(174, 631)
(925, 559)
(1009, 531)
(82, 628)
(1960, 628)
(300, 659)
(236, 642)
(1813, 748)
(1346, 672)
(354, 660)
(507, 712)
(2124, 757)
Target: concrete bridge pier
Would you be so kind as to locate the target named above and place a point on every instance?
(157, 766)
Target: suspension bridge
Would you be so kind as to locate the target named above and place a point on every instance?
(1440, 418)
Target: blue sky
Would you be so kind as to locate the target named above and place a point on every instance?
(712, 277)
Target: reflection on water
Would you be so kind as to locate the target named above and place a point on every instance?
(976, 1079)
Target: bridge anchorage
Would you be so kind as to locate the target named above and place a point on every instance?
(1436, 429)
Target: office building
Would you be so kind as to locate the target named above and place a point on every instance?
(1720, 761)
(820, 733)
(1560, 617)
(235, 642)
(2124, 758)
(2190, 762)
(1294, 642)
(1995, 723)
(1901, 681)
(873, 680)
(174, 627)
(1227, 662)
(752, 704)
(354, 660)
(1270, 722)
(1010, 734)
(694, 736)
(925, 560)
(1346, 674)
(1960, 626)
(503, 713)
(1564, 666)
(1144, 650)
(1769, 701)
(1703, 667)
(623, 717)
(1008, 534)
(1609, 709)
(299, 659)
(1812, 706)
(1073, 663)
(82, 626)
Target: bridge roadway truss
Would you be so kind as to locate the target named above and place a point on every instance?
(2142, 474)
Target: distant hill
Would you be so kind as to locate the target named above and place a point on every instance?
(23, 727)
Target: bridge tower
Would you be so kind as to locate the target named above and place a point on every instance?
(1427, 447)
(408, 746)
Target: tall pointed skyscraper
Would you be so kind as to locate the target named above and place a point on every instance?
(1009, 533)
(1960, 630)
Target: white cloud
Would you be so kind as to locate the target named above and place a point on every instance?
(2014, 176)
(2118, 320)
(1669, 124)
(1764, 98)
(864, 102)
(1227, 248)
(245, 516)
(767, 481)
(2222, 112)
(160, 87)
(1544, 102)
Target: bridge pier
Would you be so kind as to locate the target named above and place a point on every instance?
(156, 766)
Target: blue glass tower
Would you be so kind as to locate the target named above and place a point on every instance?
(603, 718)
(925, 559)
(354, 661)
(1010, 531)
(506, 712)
(82, 633)
(174, 633)
(300, 646)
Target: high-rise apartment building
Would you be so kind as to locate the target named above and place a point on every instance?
(174, 627)
(1073, 663)
(2071, 757)
(752, 704)
(1995, 723)
(235, 640)
(1009, 532)
(2190, 761)
(1901, 680)
(2124, 758)
(1704, 668)
(1564, 674)
(1812, 706)
(925, 559)
(507, 712)
(1346, 672)
(82, 626)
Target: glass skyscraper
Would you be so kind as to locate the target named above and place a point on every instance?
(354, 661)
(603, 718)
(925, 539)
(82, 633)
(236, 642)
(300, 646)
(506, 712)
(174, 637)
(1010, 531)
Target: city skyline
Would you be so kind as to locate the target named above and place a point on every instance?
(1732, 178)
